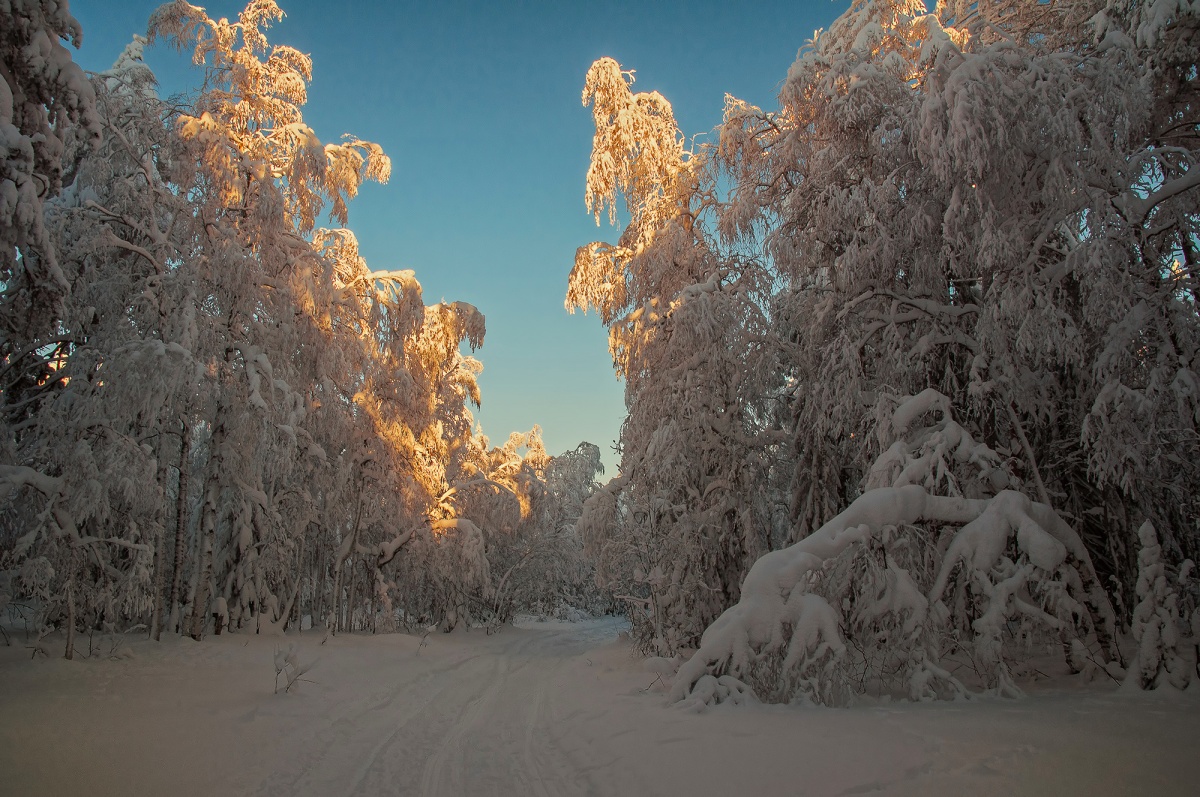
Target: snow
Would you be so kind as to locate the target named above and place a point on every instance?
(548, 708)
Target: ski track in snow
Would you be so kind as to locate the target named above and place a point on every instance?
(379, 726)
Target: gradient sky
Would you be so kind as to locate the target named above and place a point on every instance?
(478, 105)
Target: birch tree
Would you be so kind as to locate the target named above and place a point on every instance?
(685, 320)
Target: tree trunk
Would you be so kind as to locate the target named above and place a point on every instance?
(1043, 496)
(209, 517)
(318, 585)
(70, 651)
(181, 518)
(160, 553)
(72, 571)
(353, 597)
(344, 553)
(292, 614)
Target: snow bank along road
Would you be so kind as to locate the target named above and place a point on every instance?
(546, 709)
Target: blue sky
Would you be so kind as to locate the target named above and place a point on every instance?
(478, 106)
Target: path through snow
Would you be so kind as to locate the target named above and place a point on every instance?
(546, 709)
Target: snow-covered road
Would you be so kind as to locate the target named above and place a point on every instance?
(476, 719)
(546, 709)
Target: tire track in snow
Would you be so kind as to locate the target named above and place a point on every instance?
(355, 729)
(501, 742)
(411, 711)
(434, 777)
(547, 770)
(537, 782)
(483, 721)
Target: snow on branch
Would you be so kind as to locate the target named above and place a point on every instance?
(389, 548)
(867, 600)
(14, 477)
(1136, 210)
(1157, 625)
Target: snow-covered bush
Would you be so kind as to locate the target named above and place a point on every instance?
(1159, 632)
(287, 664)
(940, 560)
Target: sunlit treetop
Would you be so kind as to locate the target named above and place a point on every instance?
(637, 151)
(251, 109)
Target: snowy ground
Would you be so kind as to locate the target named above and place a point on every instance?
(545, 709)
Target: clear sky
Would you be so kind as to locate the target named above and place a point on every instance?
(478, 105)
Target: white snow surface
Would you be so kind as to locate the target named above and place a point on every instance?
(543, 709)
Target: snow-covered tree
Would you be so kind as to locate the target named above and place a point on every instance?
(965, 200)
(252, 107)
(90, 428)
(685, 322)
(266, 177)
(501, 539)
(45, 99)
(571, 479)
(994, 200)
(236, 422)
(538, 557)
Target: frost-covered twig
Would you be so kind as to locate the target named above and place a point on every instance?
(287, 665)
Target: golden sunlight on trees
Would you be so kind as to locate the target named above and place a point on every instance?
(638, 154)
(251, 114)
(685, 315)
(229, 421)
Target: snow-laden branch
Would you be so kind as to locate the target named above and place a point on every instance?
(787, 637)
(14, 477)
(389, 548)
(112, 239)
(1135, 209)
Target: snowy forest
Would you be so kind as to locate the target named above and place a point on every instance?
(215, 415)
(910, 361)
(911, 364)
